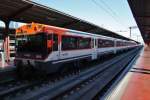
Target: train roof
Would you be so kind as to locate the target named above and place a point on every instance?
(30, 28)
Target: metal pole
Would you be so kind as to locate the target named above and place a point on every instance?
(130, 31)
(6, 41)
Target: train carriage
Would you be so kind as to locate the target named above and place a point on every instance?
(45, 47)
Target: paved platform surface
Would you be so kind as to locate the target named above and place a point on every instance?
(7, 65)
(136, 84)
(138, 87)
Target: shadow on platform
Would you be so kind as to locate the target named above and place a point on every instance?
(141, 70)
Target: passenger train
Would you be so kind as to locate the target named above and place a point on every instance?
(46, 48)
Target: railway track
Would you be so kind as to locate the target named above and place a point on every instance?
(108, 90)
(87, 89)
(7, 74)
(72, 86)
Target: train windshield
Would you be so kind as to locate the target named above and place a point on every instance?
(31, 43)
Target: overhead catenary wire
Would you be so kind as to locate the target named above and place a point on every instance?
(109, 11)
(113, 12)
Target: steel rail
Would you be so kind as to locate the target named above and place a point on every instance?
(59, 88)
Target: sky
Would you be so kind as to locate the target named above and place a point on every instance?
(114, 15)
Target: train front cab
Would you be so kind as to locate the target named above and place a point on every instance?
(36, 46)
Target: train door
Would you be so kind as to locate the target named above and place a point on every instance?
(94, 55)
(115, 47)
(55, 47)
(59, 46)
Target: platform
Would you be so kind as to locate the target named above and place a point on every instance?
(138, 87)
(136, 84)
(6, 66)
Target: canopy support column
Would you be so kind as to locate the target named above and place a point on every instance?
(6, 41)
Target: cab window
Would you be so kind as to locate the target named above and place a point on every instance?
(55, 42)
(52, 42)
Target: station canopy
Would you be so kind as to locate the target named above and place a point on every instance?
(27, 11)
(11, 31)
(141, 13)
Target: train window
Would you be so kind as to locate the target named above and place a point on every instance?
(100, 43)
(49, 43)
(55, 42)
(92, 43)
(69, 42)
(32, 43)
(105, 43)
(95, 42)
(119, 43)
(84, 43)
(49, 36)
(109, 43)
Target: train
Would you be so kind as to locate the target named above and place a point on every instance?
(45, 48)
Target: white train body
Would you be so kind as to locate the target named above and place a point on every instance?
(62, 46)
